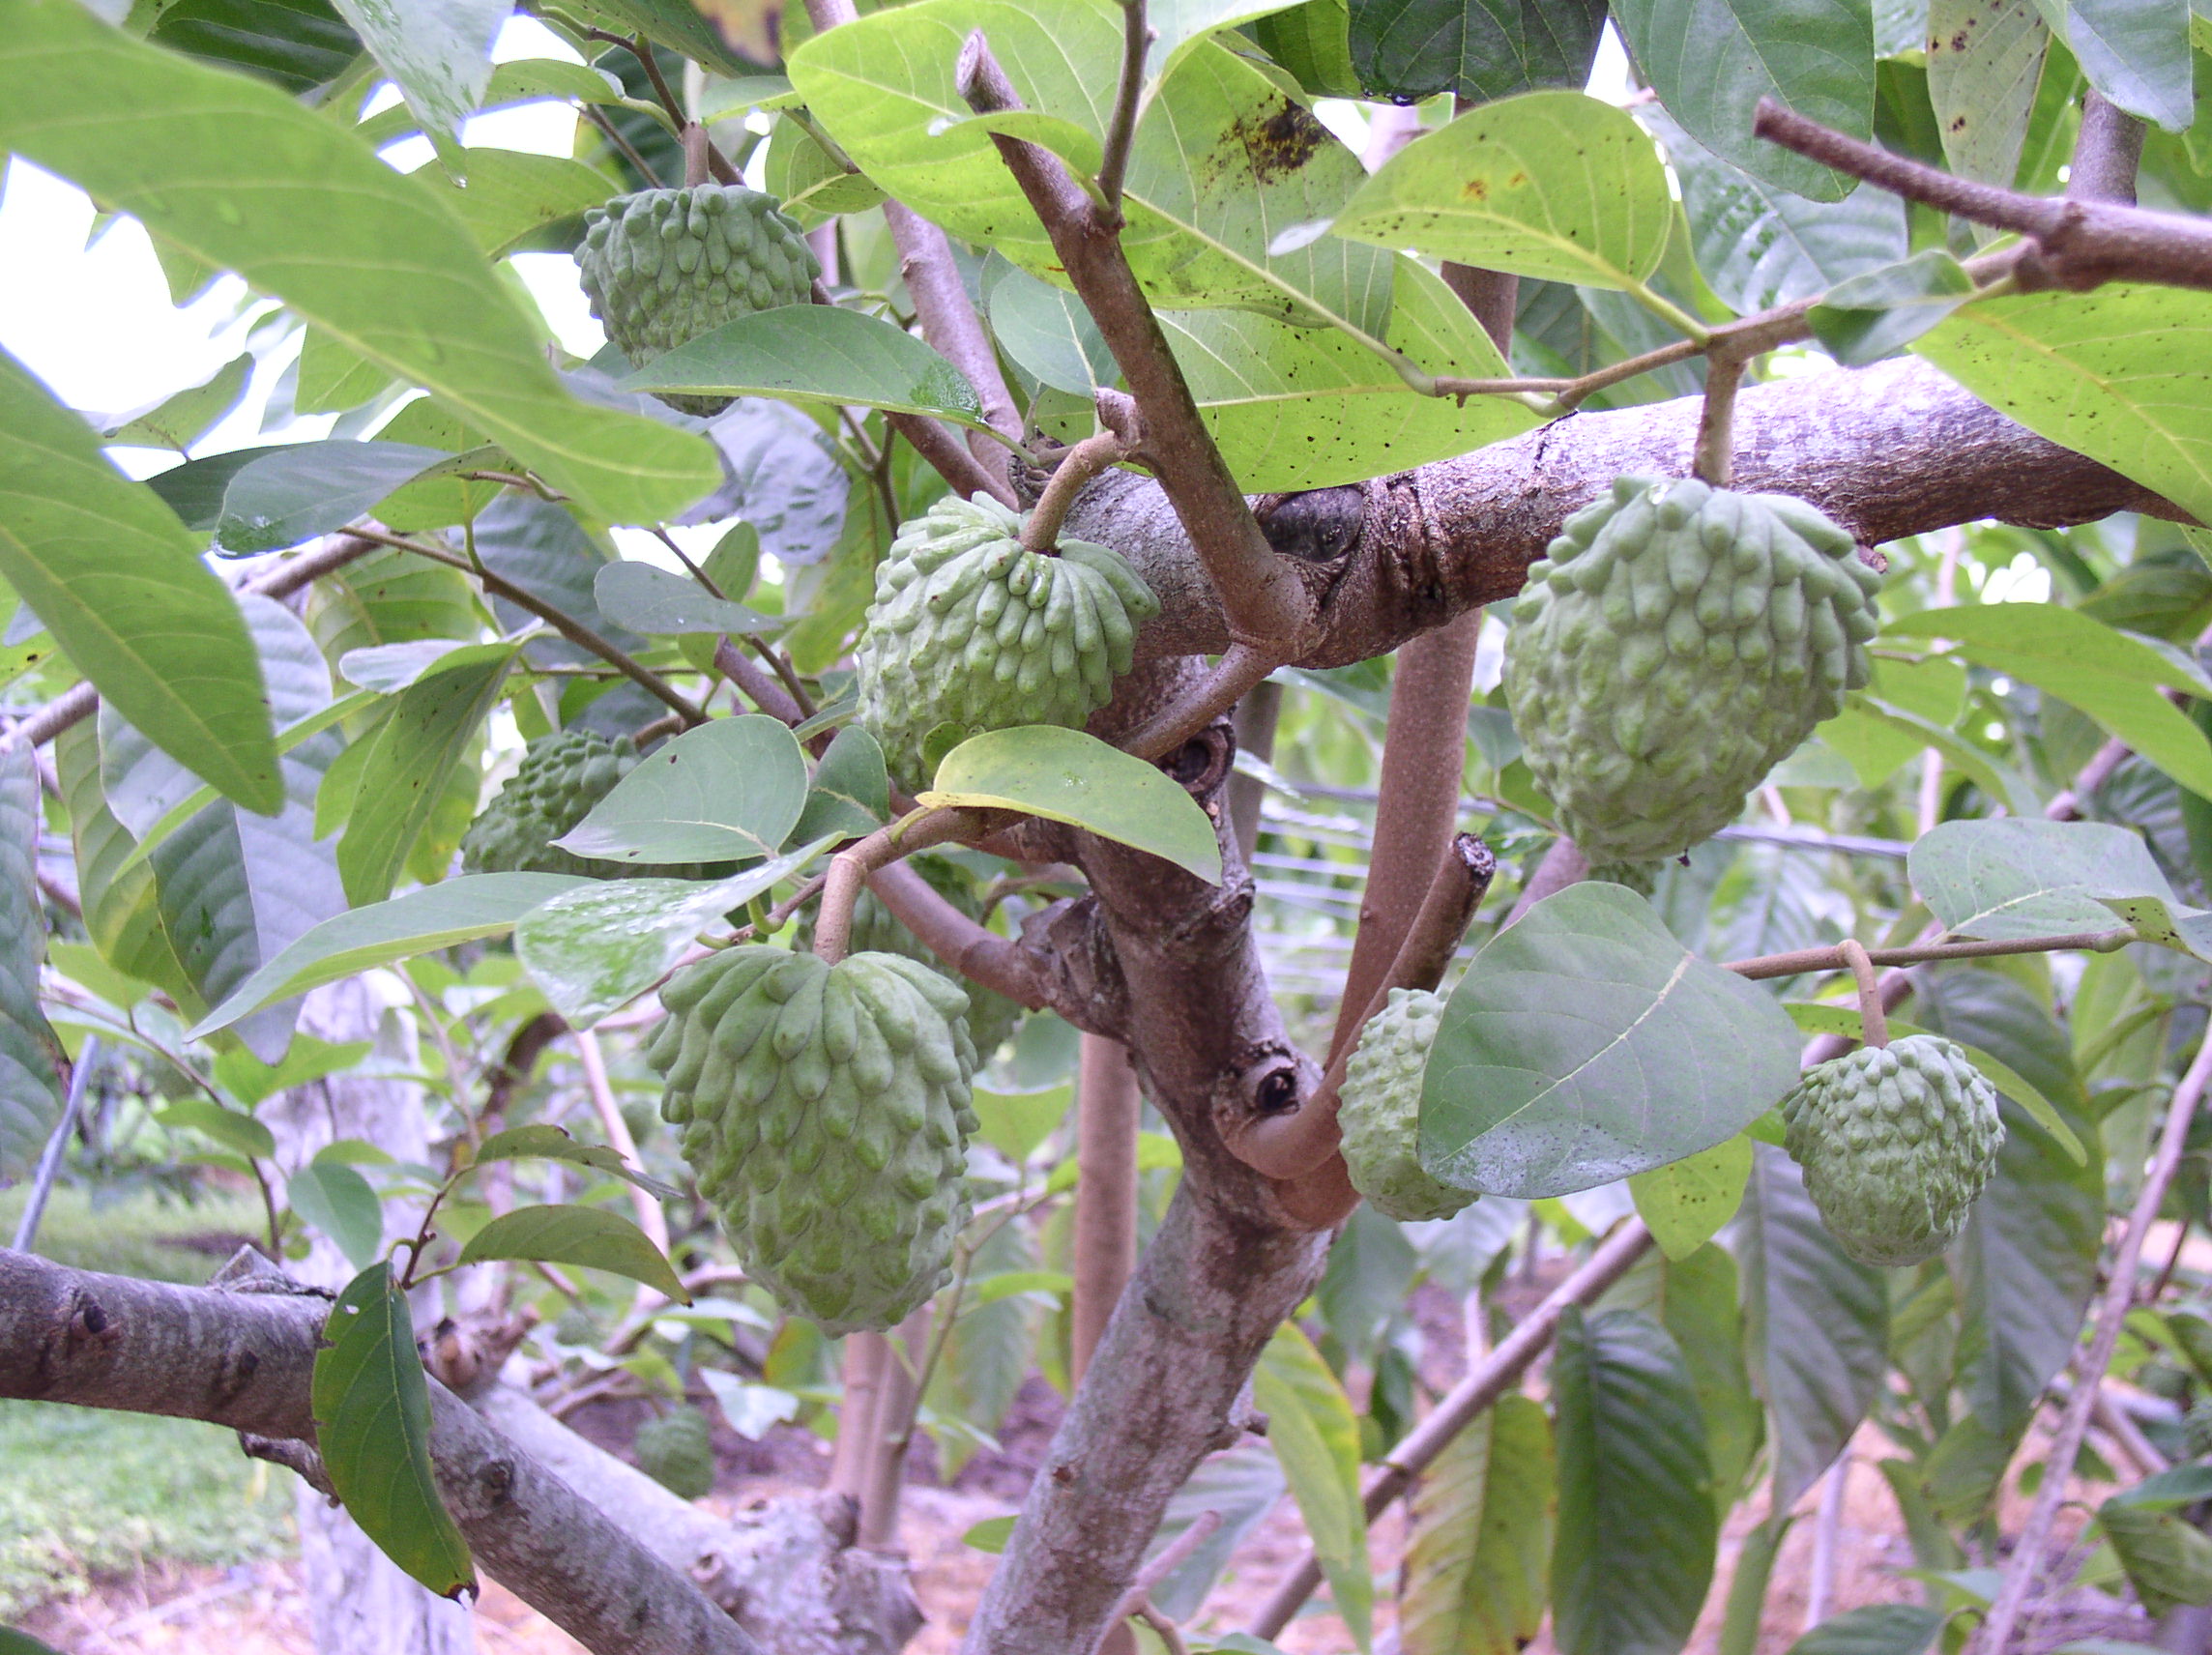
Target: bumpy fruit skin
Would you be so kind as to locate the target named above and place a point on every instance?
(1896, 1142)
(1675, 644)
(877, 930)
(969, 630)
(561, 776)
(663, 266)
(1380, 1112)
(826, 1111)
(677, 1451)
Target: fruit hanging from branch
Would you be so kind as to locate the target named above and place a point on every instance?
(826, 1111)
(664, 265)
(969, 629)
(1380, 1116)
(1675, 644)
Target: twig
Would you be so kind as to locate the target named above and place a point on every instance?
(1172, 1556)
(1235, 675)
(649, 1218)
(1804, 960)
(1563, 865)
(567, 625)
(1820, 1585)
(2108, 151)
(780, 664)
(762, 691)
(850, 868)
(1266, 604)
(2081, 244)
(613, 134)
(866, 1357)
(1121, 126)
(1498, 1374)
(1714, 459)
(1874, 1020)
(1077, 467)
(2089, 1368)
(1164, 1629)
(57, 1145)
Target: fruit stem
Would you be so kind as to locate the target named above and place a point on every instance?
(1040, 532)
(695, 147)
(1874, 1020)
(1714, 461)
(850, 868)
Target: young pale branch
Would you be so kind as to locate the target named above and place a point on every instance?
(2081, 244)
(1837, 959)
(850, 868)
(1265, 603)
(1076, 469)
(1874, 1016)
(1239, 672)
(1121, 126)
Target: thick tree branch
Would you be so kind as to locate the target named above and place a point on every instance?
(245, 1359)
(1265, 603)
(2083, 242)
(1887, 450)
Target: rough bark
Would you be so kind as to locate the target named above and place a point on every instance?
(1887, 450)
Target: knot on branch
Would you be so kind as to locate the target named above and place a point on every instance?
(1318, 526)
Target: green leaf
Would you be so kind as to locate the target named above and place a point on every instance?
(226, 1127)
(1240, 1486)
(990, 1535)
(1636, 1526)
(525, 81)
(1985, 61)
(177, 422)
(2106, 373)
(298, 44)
(1370, 1270)
(241, 177)
(30, 1087)
(1550, 184)
(2025, 1270)
(1312, 43)
(599, 947)
(733, 787)
(122, 913)
(14, 1642)
(119, 585)
(1711, 61)
(294, 494)
(677, 23)
(1295, 408)
(1699, 1305)
(1876, 717)
(390, 597)
(1870, 316)
(1876, 1629)
(339, 1202)
(850, 794)
(249, 1079)
(1223, 161)
(1016, 1123)
(1815, 1324)
(1311, 1428)
(404, 779)
(658, 600)
(438, 53)
(1481, 1550)
(590, 1236)
(817, 353)
(1758, 244)
(2135, 53)
(2169, 1559)
(509, 194)
(1586, 1044)
(372, 1423)
(1686, 1202)
(462, 910)
(1065, 775)
(1480, 49)
(1049, 333)
(543, 1142)
(2009, 876)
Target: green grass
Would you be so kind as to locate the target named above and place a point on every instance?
(85, 1492)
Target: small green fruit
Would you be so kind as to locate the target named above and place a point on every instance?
(1380, 1112)
(561, 778)
(1896, 1142)
(677, 1451)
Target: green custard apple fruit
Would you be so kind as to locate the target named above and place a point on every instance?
(1675, 644)
(876, 930)
(677, 1451)
(561, 776)
(1379, 1110)
(969, 630)
(1896, 1142)
(825, 1111)
(664, 265)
